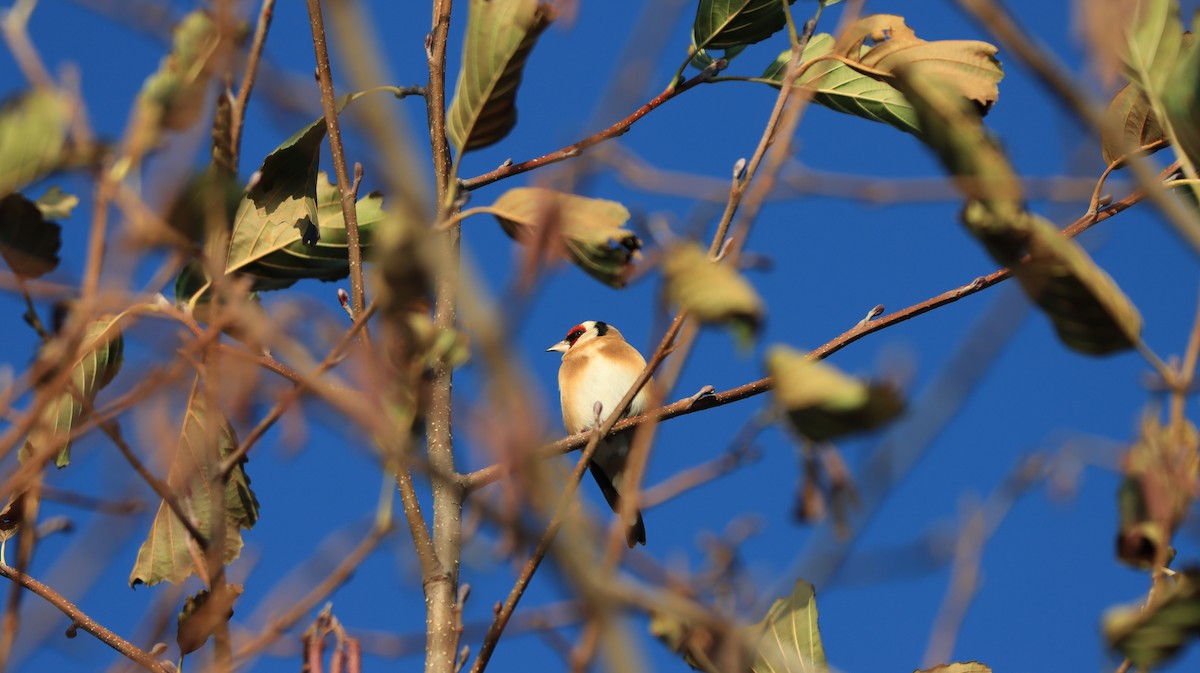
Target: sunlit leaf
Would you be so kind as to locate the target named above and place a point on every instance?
(591, 231)
(1181, 96)
(202, 613)
(500, 36)
(1152, 43)
(1129, 123)
(1160, 481)
(790, 640)
(29, 242)
(33, 134)
(99, 359)
(712, 292)
(726, 24)
(56, 204)
(206, 439)
(173, 97)
(884, 44)
(1157, 632)
(821, 402)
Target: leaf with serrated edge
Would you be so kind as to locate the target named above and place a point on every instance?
(100, 356)
(500, 36)
(29, 241)
(205, 441)
(33, 133)
(1155, 633)
(821, 402)
(590, 230)
(790, 640)
(725, 24)
(712, 292)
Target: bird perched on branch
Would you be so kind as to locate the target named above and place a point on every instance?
(599, 366)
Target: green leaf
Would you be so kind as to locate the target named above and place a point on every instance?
(968, 68)
(726, 24)
(174, 96)
(284, 257)
(960, 667)
(33, 134)
(1089, 311)
(790, 640)
(56, 204)
(589, 231)
(29, 242)
(1129, 123)
(1156, 633)
(1181, 97)
(500, 36)
(99, 359)
(206, 440)
(821, 402)
(1153, 43)
(202, 613)
(711, 291)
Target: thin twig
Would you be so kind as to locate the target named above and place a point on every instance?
(238, 107)
(80, 619)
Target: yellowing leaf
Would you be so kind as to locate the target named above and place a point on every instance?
(711, 291)
(202, 614)
(175, 95)
(96, 364)
(33, 133)
(591, 230)
(790, 640)
(821, 402)
(206, 440)
(1160, 482)
(500, 36)
(1156, 633)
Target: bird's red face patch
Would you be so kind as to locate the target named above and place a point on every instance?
(576, 332)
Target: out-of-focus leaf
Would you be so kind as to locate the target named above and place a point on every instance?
(1152, 44)
(433, 345)
(33, 134)
(1089, 311)
(202, 613)
(821, 402)
(968, 68)
(591, 230)
(29, 242)
(726, 24)
(174, 96)
(712, 292)
(56, 204)
(1154, 634)
(1181, 96)
(1129, 123)
(98, 360)
(500, 36)
(959, 667)
(10, 521)
(169, 553)
(702, 647)
(208, 194)
(790, 641)
(1161, 472)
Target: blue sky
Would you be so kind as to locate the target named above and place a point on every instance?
(1048, 572)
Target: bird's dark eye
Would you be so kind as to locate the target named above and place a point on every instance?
(576, 332)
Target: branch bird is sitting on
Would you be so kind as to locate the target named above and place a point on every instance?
(598, 365)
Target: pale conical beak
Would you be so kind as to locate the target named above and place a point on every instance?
(560, 347)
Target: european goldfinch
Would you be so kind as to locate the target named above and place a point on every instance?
(598, 365)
